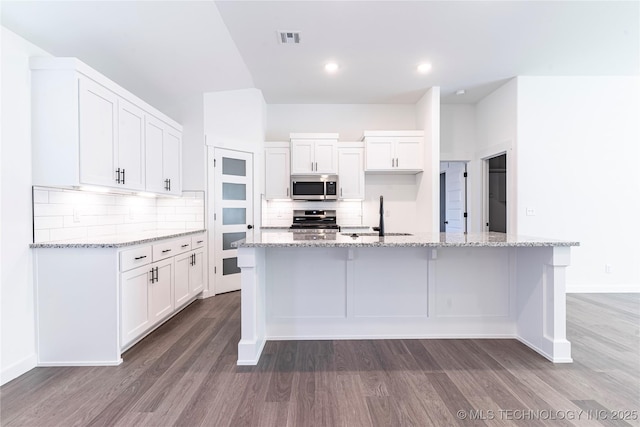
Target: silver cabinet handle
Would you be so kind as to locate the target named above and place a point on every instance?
(316, 166)
(166, 250)
(340, 191)
(184, 246)
(311, 166)
(287, 191)
(140, 257)
(200, 241)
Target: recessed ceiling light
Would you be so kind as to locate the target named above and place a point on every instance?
(331, 67)
(461, 92)
(424, 68)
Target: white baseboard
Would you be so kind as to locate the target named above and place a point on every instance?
(20, 367)
(608, 289)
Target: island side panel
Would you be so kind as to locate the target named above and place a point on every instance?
(252, 305)
(77, 295)
(541, 301)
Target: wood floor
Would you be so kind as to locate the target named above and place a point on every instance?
(185, 374)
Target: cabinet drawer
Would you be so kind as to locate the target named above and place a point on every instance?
(182, 245)
(135, 258)
(198, 241)
(164, 250)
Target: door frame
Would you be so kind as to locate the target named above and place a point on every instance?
(485, 189)
(443, 170)
(210, 200)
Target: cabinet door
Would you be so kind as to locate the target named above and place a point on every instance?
(277, 176)
(98, 133)
(131, 149)
(161, 291)
(302, 157)
(196, 273)
(181, 283)
(172, 160)
(326, 157)
(135, 312)
(351, 173)
(154, 135)
(379, 155)
(409, 154)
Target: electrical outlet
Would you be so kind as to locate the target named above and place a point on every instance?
(76, 215)
(608, 268)
(531, 212)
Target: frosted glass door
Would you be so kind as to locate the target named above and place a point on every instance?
(233, 206)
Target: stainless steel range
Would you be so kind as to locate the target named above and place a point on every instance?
(314, 224)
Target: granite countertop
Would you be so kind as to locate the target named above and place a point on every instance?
(270, 239)
(118, 240)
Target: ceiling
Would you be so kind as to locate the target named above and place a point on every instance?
(167, 51)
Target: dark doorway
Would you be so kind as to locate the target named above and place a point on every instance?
(443, 202)
(497, 193)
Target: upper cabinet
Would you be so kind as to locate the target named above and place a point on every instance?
(394, 151)
(163, 157)
(276, 168)
(314, 153)
(89, 131)
(351, 170)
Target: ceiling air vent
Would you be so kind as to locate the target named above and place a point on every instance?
(289, 37)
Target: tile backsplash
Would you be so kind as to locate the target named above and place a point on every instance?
(280, 213)
(63, 214)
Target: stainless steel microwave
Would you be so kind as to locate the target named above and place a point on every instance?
(314, 187)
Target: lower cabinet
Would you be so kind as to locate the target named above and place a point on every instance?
(189, 277)
(94, 303)
(151, 293)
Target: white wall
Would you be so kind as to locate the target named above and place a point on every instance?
(457, 131)
(349, 120)
(17, 300)
(496, 133)
(578, 151)
(428, 182)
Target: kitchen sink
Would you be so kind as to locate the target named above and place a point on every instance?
(374, 234)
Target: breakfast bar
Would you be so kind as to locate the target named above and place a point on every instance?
(426, 285)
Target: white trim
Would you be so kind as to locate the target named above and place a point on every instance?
(83, 363)
(22, 366)
(622, 288)
(546, 355)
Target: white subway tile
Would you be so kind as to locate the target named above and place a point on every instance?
(189, 210)
(41, 236)
(166, 210)
(68, 233)
(170, 226)
(64, 197)
(101, 230)
(84, 221)
(117, 210)
(197, 225)
(52, 210)
(47, 222)
(174, 218)
(40, 196)
(108, 219)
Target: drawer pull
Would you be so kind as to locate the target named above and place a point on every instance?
(200, 241)
(166, 250)
(184, 246)
(140, 257)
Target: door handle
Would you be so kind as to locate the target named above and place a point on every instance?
(249, 226)
(123, 176)
(316, 166)
(118, 176)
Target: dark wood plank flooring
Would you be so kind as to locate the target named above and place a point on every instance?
(185, 374)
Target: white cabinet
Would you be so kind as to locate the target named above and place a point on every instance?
(161, 290)
(351, 170)
(87, 130)
(98, 128)
(394, 151)
(314, 153)
(189, 276)
(277, 172)
(135, 309)
(163, 157)
(130, 149)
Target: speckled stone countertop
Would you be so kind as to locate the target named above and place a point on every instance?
(117, 241)
(269, 239)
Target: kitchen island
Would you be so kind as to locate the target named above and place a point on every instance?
(439, 285)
